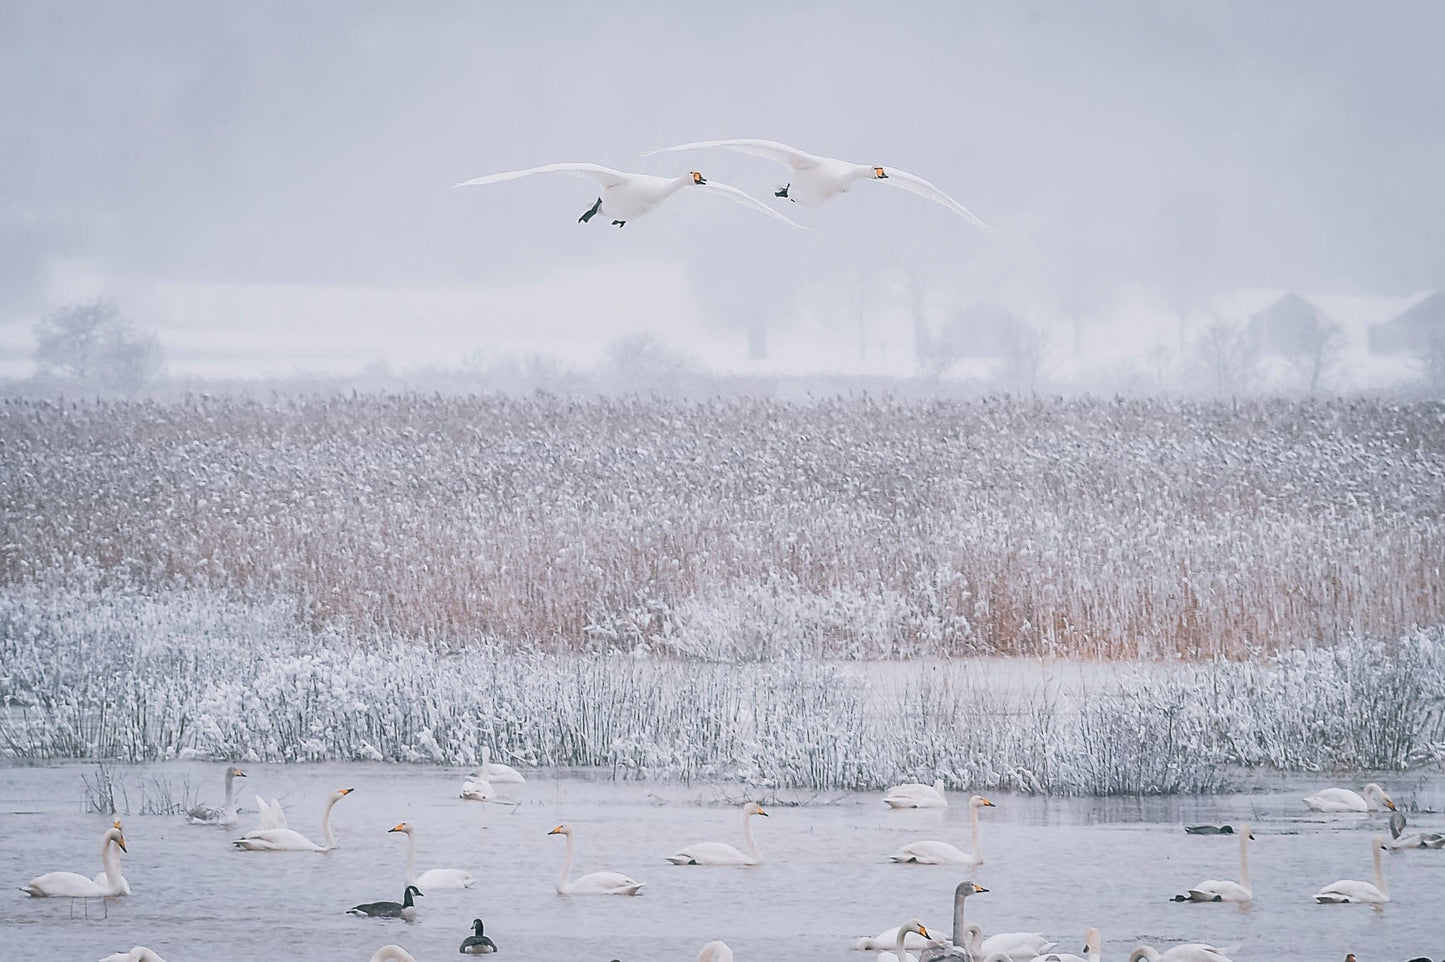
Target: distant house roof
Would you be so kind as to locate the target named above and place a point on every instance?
(983, 329)
(1289, 325)
(1412, 329)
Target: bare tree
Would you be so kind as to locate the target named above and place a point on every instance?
(1224, 357)
(1185, 260)
(90, 344)
(1318, 355)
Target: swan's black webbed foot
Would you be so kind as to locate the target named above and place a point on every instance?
(782, 191)
(594, 209)
(619, 223)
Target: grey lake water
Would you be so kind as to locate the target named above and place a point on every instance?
(1052, 865)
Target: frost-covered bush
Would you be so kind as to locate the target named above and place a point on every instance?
(750, 528)
(105, 674)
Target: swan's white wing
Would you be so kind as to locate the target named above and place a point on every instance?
(269, 815)
(917, 185)
(748, 200)
(771, 149)
(605, 176)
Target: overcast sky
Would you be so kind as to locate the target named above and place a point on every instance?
(317, 142)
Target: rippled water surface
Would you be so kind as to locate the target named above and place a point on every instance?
(1055, 865)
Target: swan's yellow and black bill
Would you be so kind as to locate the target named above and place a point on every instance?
(761, 812)
(347, 791)
(923, 931)
(878, 174)
(237, 773)
(988, 803)
(698, 178)
(556, 831)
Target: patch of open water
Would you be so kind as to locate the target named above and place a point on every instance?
(1057, 865)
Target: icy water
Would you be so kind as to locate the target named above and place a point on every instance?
(1055, 865)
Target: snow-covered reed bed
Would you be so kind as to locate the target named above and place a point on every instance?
(106, 675)
(748, 528)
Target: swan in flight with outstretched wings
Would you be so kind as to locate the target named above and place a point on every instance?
(627, 196)
(817, 180)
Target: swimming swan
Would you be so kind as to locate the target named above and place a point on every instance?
(628, 196)
(288, 840)
(595, 883)
(942, 853)
(1092, 947)
(1187, 952)
(268, 815)
(477, 943)
(1214, 890)
(437, 878)
(957, 949)
(497, 772)
(392, 953)
(715, 952)
(138, 953)
(477, 789)
(1009, 946)
(720, 853)
(1344, 800)
(226, 814)
(899, 954)
(1399, 838)
(405, 909)
(817, 180)
(1348, 890)
(72, 885)
(916, 795)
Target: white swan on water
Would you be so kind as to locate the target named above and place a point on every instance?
(715, 951)
(477, 789)
(1349, 890)
(594, 883)
(226, 814)
(721, 853)
(1187, 952)
(1344, 800)
(392, 953)
(1010, 946)
(1216, 890)
(900, 953)
(627, 196)
(268, 815)
(497, 772)
(1092, 948)
(942, 853)
(817, 180)
(73, 885)
(916, 795)
(289, 840)
(138, 953)
(432, 879)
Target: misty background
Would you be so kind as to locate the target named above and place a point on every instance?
(266, 188)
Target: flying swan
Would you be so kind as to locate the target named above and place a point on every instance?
(720, 853)
(594, 883)
(916, 795)
(627, 196)
(72, 885)
(1214, 890)
(942, 853)
(1344, 800)
(1348, 890)
(405, 909)
(437, 878)
(289, 840)
(226, 814)
(817, 180)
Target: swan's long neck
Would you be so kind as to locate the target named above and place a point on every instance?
(410, 858)
(975, 940)
(230, 789)
(902, 934)
(110, 860)
(1244, 860)
(1380, 873)
(973, 830)
(958, 900)
(326, 822)
(753, 852)
(564, 881)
